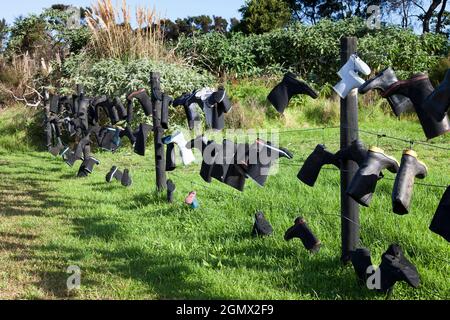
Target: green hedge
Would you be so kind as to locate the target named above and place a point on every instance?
(313, 51)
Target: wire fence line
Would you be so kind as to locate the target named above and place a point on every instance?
(377, 134)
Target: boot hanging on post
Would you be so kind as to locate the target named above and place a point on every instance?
(418, 88)
(349, 74)
(178, 138)
(382, 81)
(141, 138)
(441, 220)
(363, 184)
(313, 164)
(144, 99)
(280, 96)
(410, 168)
(438, 102)
(187, 100)
(170, 157)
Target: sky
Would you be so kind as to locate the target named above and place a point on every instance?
(172, 9)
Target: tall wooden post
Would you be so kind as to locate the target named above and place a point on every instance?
(160, 162)
(349, 133)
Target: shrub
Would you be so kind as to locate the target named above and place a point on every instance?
(313, 51)
(114, 77)
(438, 72)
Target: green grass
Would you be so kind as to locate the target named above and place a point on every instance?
(131, 244)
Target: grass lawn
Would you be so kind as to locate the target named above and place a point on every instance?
(131, 244)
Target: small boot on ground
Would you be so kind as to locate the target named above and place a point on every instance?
(301, 230)
(261, 226)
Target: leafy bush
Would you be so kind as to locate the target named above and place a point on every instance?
(313, 51)
(438, 72)
(114, 77)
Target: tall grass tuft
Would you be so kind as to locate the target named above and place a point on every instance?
(114, 37)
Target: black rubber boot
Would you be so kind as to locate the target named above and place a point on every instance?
(70, 127)
(210, 154)
(261, 157)
(188, 101)
(311, 168)
(170, 190)
(198, 143)
(167, 101)
(89, 164)
(418, 88)
(170, 157)
(59, 150)
(108, 106)
(83, 114)
(126, 178)
(395, 267)
(382, 82)
(78, 154)
(130, 113)
(82, 173)
(129, 134)
(141, 138)
(441, 220)
(361, 261)
(144, 99)
(301, 230)
(121, 110)
(356, 152)
(114, 173)
(223, 160)
(438, 102)
(261, 226)
(48, 134)
(410, 168)
(54, 104)
(108, 137)
(280, 96)
(220, 98)
(235, 175)
(365, 180)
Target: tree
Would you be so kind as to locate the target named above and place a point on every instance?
(235, 25)
(427, 13)
(170, 29)
(259, 16)
(312, 11)
(220, 24)
(403, 8)
(3, 33)
(202, 23)
(442, 17)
